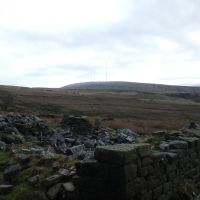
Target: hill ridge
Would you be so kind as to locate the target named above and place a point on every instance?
(134, 86)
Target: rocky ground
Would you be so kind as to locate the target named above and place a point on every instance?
(38, 162)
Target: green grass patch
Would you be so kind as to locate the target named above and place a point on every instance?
(18, 192)
(4, 156)
(33, 171)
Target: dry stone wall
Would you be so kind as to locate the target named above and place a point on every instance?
(137, 172)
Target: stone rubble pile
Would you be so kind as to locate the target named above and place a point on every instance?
(76, 136)
(141, 171)
(32, 146)
(107, 159)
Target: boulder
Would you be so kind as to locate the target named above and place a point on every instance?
(116, 154)
(69, 187)
(52, 193)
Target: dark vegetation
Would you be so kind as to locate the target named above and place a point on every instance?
(142, 111)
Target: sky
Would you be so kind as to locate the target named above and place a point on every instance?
(52, 43)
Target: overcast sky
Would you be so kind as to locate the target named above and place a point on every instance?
(52, 43)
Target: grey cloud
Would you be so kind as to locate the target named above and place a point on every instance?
(172, 20)
(59, 69)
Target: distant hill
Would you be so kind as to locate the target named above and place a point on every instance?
(132, 86)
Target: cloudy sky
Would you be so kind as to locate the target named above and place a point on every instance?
(51, 43)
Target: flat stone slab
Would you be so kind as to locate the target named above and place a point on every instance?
(178, 144)
(121, 153)
(69, 186)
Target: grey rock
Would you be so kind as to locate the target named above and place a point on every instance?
(192, 141)
(159, 133)
(52, 180)
(2, 145)
(126, 135)
(50, 152)
(116, 154)
(63, 172)
(178, 144)
(52, 193)
(70, 140)
(57, 138)
(34, 179)
(164, 156)
(37, 150)
(90, 143)
(62, 147)
(76, 150)
(164, 146)
(69, 187)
